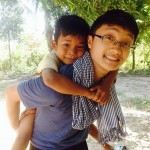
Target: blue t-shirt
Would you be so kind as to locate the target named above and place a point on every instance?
(53, 123)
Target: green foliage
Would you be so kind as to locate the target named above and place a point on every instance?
(142, 63)
(10, 20)
(4, 65)
(26, 55)
(33, 59)
(140, 72)
(52, 11)
(22, 63)
(90, 10)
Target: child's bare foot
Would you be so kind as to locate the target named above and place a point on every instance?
(106, 147)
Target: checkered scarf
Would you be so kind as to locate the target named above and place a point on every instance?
(109, 117)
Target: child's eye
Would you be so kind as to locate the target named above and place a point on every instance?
(66, 45)
(81, 47)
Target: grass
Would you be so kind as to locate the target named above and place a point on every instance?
(136, 72)
(137, 103)
(2, 87)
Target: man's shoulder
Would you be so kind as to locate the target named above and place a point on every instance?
(67, 70)
(35, 81)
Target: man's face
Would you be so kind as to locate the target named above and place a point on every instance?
(69, 48)
(110, 47)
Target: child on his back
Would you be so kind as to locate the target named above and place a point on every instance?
(69, 43)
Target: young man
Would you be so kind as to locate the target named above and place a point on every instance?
(69, 43)
(112, 36)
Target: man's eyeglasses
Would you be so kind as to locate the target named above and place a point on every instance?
(108, 40)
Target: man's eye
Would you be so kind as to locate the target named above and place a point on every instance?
(109, 38)
(126, 44)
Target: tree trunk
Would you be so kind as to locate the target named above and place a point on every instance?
(133, 59)
(49, 30)
(10, 60)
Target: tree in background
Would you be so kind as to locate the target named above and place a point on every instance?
(10, 22)
(91, 9)
(52, 11)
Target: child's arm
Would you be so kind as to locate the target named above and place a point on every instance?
(103, 90)
(63, 84)
(13, 105)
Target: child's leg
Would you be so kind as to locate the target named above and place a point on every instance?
(24, 132)
(13, 105)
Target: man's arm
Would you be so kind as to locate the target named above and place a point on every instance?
(13, 105)
(94, 133)
(63, 84)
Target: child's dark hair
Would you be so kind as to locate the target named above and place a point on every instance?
(71, 25)
(117, 17)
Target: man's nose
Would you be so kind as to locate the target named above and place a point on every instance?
(116, 50)
(118, 44)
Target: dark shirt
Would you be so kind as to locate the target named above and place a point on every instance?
(53, 123)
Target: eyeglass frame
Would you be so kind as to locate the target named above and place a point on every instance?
(132, 46)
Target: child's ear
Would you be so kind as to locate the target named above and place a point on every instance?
(89, 40)
(53, 45)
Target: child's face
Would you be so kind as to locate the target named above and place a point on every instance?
(110, 48)
(69, 48)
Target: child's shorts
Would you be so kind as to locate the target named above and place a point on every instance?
(27, 112)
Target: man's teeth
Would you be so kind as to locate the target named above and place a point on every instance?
(111, 58)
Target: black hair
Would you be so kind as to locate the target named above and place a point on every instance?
(117, 17)
(71, 25)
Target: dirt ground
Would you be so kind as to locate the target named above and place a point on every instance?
(134, 95)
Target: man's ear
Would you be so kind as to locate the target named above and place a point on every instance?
(53, 45)
(90, 41)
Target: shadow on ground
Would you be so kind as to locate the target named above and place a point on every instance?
(133, 93)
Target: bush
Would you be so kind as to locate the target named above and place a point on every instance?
(4, 65)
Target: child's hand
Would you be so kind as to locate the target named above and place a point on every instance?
(90, 94)
(101, 94)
